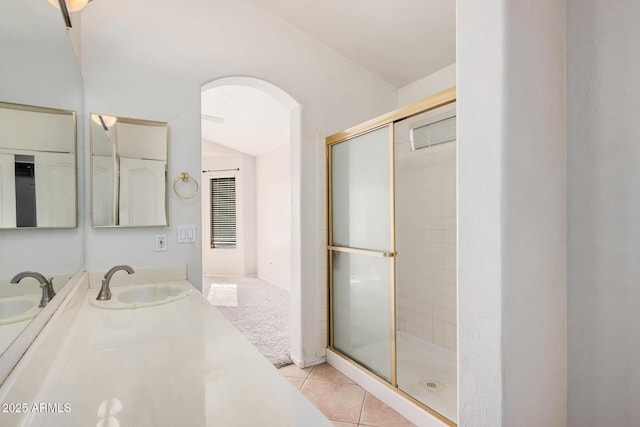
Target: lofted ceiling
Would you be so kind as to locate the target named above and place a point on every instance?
(244, 119)
(400, 42)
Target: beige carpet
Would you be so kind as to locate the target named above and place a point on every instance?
(259, 309)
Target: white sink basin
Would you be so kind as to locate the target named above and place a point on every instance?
(138, 296)
(19, 308)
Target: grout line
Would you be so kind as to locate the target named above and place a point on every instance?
(362, 407)
(306, 379)
(312, 369)
(323, 380)
(308, 376)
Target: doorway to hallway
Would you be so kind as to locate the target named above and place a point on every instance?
(248, 210)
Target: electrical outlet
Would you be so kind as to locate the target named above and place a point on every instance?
(161, 242)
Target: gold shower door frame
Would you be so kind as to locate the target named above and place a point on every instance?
(387, 120)
(359, 251)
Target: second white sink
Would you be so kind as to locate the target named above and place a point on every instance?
(18, 308)
(138, 296)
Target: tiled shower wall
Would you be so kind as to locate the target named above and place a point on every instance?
(426, 243)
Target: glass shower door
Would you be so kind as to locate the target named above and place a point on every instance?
(361, 250)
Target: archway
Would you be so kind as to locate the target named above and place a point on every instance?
(294, 164)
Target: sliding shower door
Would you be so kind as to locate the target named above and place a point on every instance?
(361, 250)
(392, 246)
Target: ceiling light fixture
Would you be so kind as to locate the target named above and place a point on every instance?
(69, 6)
(72, 5)
(105, 121)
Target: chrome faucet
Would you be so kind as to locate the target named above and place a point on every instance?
(45, 285)
(105, 292)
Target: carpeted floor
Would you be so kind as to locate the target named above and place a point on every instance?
(259, 309)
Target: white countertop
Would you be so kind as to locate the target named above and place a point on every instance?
(177, 364)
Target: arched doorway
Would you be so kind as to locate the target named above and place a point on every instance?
(266, 98)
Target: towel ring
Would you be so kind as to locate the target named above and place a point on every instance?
(184, 177)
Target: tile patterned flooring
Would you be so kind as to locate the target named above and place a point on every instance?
(345, 403)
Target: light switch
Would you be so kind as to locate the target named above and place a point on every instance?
(186, 233)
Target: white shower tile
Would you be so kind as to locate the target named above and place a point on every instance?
(449, 329)
(438, 338)
(449, 262)
(449, 276)
(426, 236)
(450, 303)
(449, 290)
(438, 326)
(450, 316)
(449, 343)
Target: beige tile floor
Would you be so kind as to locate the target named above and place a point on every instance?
(340, 399)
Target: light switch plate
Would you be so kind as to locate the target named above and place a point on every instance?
(186, 233)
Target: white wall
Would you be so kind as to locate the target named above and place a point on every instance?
(133, 69)
(428, 85)
(480, 140)
(241, 260)
(39, 68)
(603, 186)
(273, 216)
(249, 212)
(511, 213)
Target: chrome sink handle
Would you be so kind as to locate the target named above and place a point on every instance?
(50, 290)
(46, 285)
(105, 291)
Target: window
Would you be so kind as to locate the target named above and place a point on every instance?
(223, 212)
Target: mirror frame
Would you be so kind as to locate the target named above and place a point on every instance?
(49, 110)
(133, 121)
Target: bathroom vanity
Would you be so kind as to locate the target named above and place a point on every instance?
(170, 360)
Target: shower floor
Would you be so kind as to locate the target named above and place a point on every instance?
(420, 362)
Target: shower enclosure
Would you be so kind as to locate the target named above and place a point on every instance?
(392, 250)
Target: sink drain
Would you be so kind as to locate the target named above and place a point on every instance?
(431, 385)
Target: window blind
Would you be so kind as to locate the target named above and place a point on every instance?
(223, 212)
(433, 134)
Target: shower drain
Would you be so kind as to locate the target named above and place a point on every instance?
(431, 385)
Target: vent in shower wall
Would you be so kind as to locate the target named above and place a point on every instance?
(433, 133)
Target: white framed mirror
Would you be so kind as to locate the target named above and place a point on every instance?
(128, 172)
(38, 169)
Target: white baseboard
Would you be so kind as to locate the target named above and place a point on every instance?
(307, 363)
(274, 283)
(222, 276)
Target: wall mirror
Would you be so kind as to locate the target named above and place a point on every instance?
(39, 67)
(19, 305)
(37, 167)
(128, 172)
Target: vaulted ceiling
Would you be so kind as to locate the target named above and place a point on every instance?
(400, 42)
(379, 35)
(244, 119)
